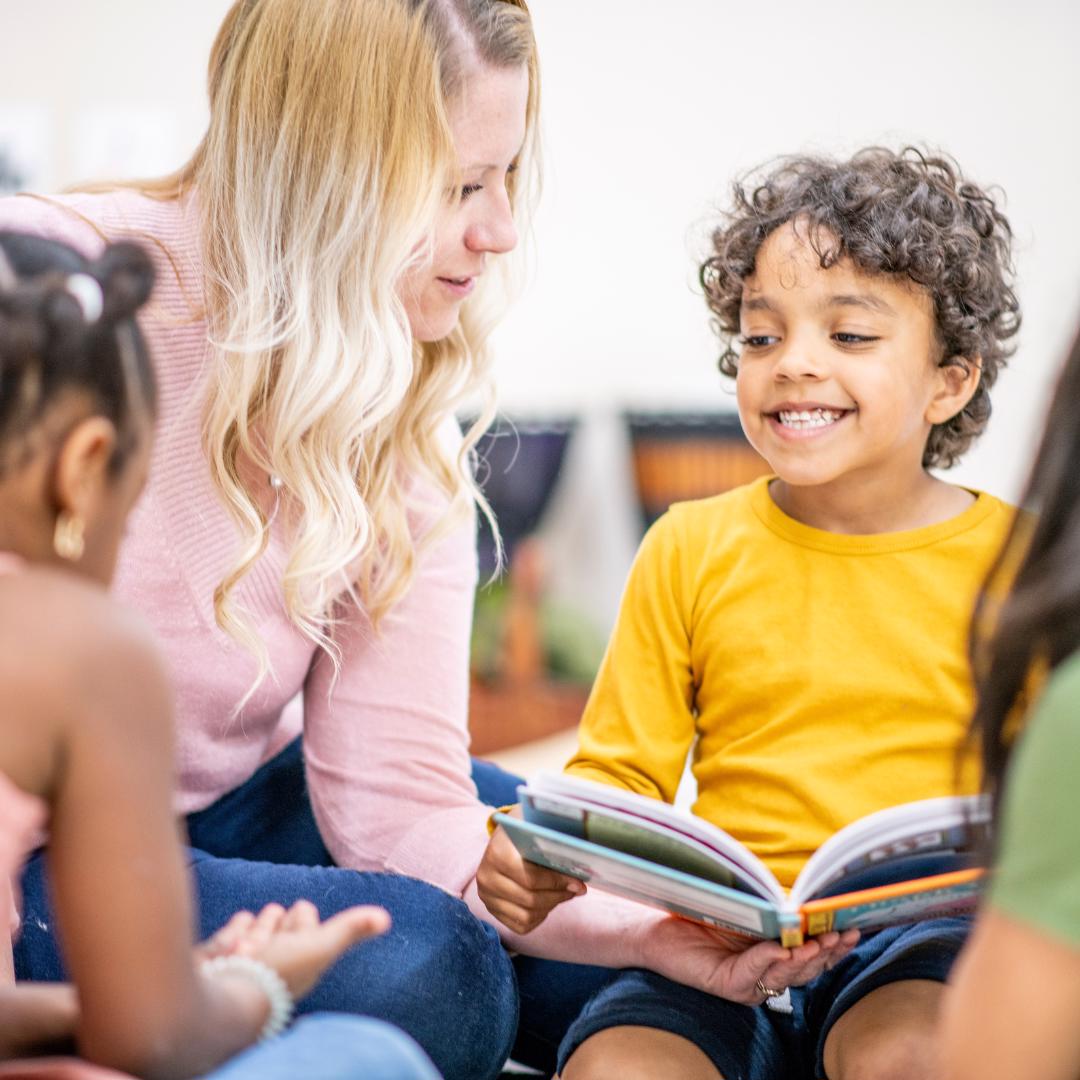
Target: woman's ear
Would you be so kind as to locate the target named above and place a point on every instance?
(957, 380)
(82, 466)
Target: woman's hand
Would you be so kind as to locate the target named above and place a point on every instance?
(520, 894)
(296, 943)
(730, 967)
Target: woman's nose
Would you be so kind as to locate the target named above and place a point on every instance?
(493, 230)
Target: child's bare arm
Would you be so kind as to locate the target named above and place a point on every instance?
(39, 1018)
(1012, 1006)
(118, 871)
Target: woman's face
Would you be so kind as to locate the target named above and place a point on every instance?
(488, 126)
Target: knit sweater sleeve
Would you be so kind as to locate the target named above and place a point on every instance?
(386, 741)
(387, 753)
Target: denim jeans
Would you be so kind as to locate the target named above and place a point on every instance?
(439, 974)
(326, 1046)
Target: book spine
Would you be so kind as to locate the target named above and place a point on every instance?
(792, 932)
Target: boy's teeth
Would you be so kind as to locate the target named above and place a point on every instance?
(809, 418)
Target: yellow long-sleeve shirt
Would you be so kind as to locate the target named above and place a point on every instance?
(824, 675)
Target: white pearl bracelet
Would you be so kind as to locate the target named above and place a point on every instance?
(269, 982)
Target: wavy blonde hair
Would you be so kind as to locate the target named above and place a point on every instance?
(327, 161)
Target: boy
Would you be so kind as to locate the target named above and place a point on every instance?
(809, 629)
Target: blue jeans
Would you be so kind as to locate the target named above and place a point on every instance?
(439, 974)
(754, 1043)
(332, 1047)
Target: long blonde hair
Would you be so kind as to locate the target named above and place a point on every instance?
(326, 163)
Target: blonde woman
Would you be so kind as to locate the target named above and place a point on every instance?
(308, 528)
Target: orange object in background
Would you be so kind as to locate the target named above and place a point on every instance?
(680, 456)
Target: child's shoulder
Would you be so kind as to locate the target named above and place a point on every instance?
(64, 631)
(703, 517)
(708, 526)
(734, 502)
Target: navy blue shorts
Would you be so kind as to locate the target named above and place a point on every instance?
(755, 1043)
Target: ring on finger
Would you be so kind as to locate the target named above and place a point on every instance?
(768, 991)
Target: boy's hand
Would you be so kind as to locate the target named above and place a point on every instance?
(519, 894)
(714, 962)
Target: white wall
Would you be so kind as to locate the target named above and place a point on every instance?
(649, 110)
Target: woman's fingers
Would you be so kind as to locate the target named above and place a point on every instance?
(810, 960)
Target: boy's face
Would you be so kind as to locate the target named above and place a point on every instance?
(838, 376)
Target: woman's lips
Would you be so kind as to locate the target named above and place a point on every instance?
(458, 287)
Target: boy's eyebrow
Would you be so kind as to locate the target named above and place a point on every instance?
(862, 300)
(756, 303)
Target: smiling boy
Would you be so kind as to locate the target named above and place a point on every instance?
(809, 629)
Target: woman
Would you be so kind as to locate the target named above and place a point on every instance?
(308, 528)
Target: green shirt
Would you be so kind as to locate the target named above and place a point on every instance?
(1038, 875)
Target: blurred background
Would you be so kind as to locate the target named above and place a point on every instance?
(606, 363)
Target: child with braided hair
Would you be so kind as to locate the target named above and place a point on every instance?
(85, 732)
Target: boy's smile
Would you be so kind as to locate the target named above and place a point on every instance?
(839, 383)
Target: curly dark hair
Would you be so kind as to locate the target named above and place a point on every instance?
(908, 213)
(49, 344)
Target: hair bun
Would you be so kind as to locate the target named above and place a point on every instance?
(126, 275)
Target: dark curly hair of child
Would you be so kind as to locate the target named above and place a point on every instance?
(906, 213)
(55, 339)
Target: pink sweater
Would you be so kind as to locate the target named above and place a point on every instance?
(387, 748)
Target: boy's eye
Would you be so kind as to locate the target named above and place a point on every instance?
(757, 341)
(854, 339)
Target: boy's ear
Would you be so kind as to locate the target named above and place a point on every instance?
(958, 379)
(82, 465)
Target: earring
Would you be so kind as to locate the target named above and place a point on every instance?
(69, 541)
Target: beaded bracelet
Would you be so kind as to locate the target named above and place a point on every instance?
(269, 982)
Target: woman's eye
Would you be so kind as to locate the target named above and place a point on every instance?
(469, 189)
(854, 339)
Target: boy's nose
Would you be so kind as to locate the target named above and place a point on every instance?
(798, 362)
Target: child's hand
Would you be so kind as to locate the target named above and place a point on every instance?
(697, 956)
(519, 894)
(296, 943)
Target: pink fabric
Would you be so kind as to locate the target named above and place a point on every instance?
(387, 744)
(22, 818)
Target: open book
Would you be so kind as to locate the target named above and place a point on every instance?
(915, 861)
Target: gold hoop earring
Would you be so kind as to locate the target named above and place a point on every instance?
(69, 540)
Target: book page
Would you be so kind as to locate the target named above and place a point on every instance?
(951, 826)
(623, 820)
(634, 878)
